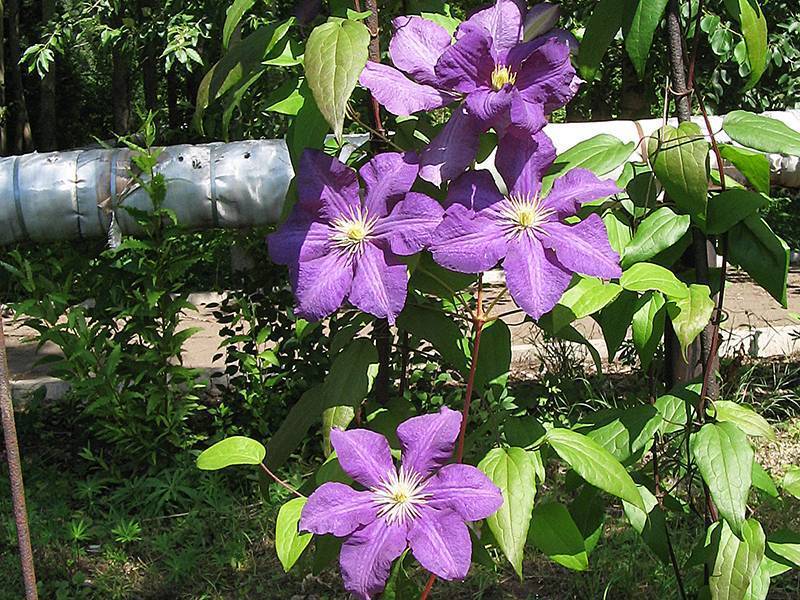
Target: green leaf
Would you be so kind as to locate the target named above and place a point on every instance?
(308, 128)
(335, 55)
(647, 325)
(432, 325)
(600, 31)
(289, 542)
(642, 277)
(347, 384)
(791, 481)
(759, 584)
(725, 460)
(336, 417)
(761, 133)
(627, 433)
(523, 431)
(286, 99)
(650, 523)
(595, 464)
(680, 161)
(762, 254)
(619, 233)
(586, 297)
(691, 314)
(753, 165)
(615, 319)
(730, 207)
(430, 278)
(744, 417)
(588, 510)
(494, 360)
(754, 31)
(555, 534)
(233, 17)
(763, 481)
(672, 408)
(446, 21)
(736, 561)
(235, 450)
(785, 544)
(656, 233)
(239, 64)
(600, 154)
(511, 470)
(638, 32)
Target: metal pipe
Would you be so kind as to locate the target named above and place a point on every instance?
(73, 195)
(15, 474)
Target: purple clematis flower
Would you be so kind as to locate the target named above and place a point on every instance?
(505, 84)
(524, 229)
(423, 505)
(340, 246)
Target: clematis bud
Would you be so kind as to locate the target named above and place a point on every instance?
(540, 19)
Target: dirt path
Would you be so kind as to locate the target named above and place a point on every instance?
(747, 305)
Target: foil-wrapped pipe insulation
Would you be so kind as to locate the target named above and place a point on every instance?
(77, 194)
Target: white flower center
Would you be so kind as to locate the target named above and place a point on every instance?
(501, 76)
(349, 233)
(521, 214)
(400, 496)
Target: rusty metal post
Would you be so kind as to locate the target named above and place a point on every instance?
(15, 474)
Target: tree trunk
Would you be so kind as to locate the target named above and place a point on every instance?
(633, 104)
(120, 92)
(150, 75)
(173, 116)
(702, 253)
(150, 59)
(47, 94)
(22, 141)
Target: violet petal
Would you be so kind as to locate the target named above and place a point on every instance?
(416, 45)
(337, 509)
(427, 441)
(398, 93)
(387, 178)
(452, 150)
(409, 227)
(367, 556)
(503, 21)
(466, 490)
(534, 276)
(439, 540)
(468, 242)
(547, 76)
(475, 190)
(298, 238)
(583, 247)
(325, 182)
(322, 284)
(364, 455)
(467, 64)
(380, 283)
(522, 160)
(575, 188)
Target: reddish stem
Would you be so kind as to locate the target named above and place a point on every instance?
(280, 481)
(478, 321)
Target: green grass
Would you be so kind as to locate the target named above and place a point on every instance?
(94, 539)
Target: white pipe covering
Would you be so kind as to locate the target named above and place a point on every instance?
(70, 195)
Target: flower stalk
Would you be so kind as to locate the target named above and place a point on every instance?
(478, 321)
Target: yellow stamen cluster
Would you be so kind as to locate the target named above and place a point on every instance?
(501, 76)
(523, 213)
(349, 233)
(401, 496)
